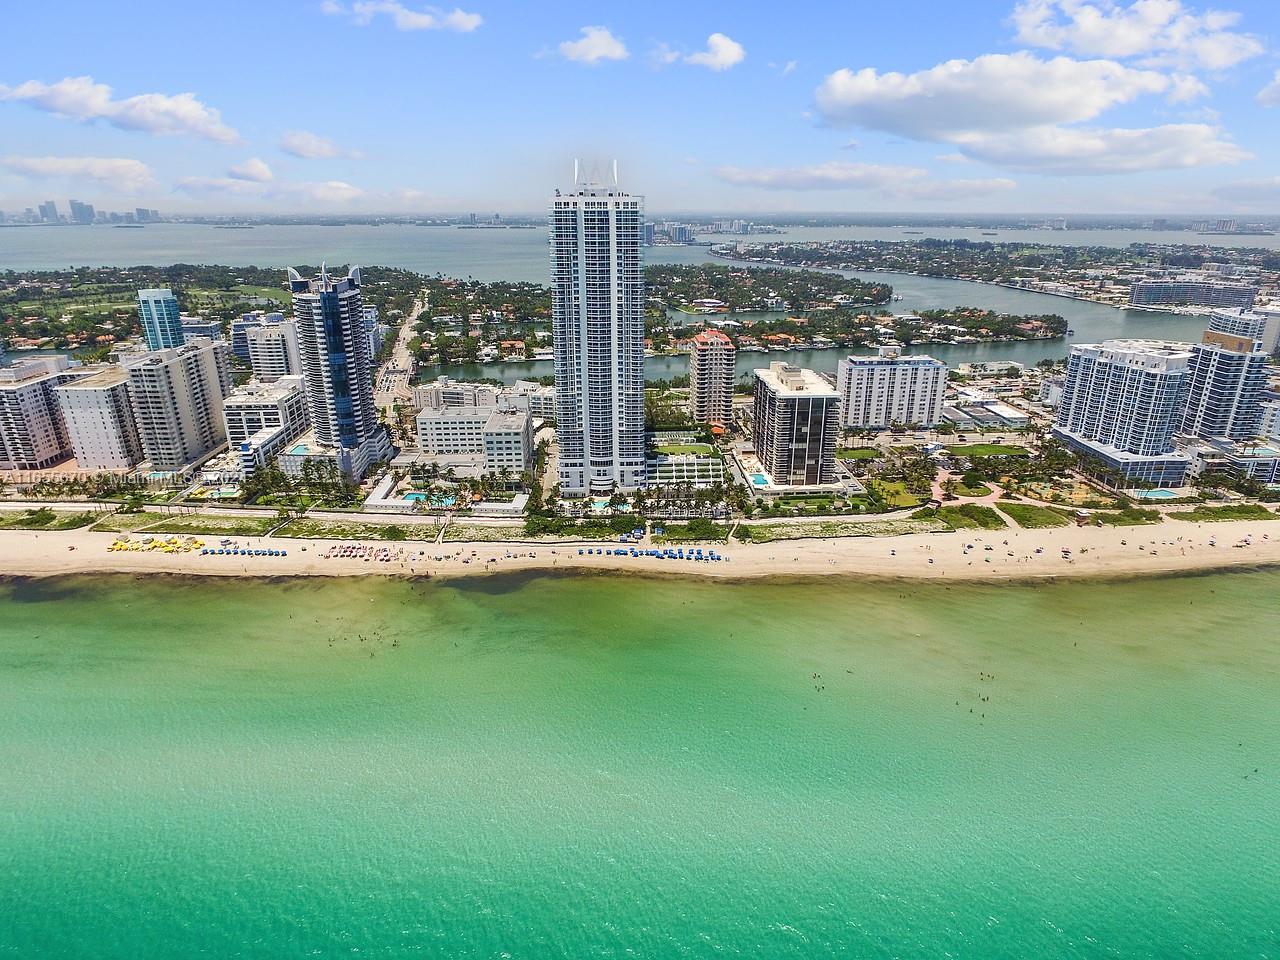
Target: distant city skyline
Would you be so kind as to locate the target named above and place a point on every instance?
(996, 106)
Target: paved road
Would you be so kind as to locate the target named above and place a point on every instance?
(394, 382)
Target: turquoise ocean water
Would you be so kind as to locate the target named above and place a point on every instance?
(538, 767)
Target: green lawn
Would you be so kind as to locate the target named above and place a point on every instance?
(858, 453)
(696, 531)
(679, 449)
(127, 522)
(971, 516)
(44, 519)
(826, 529)
(1130, 517)
(988, 450)
(895, 494)
(1235, 511)
(457, 533)
(960, 490)
(1033, 517)
(216, 524)
(337, 530)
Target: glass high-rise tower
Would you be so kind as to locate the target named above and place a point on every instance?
(337, 369)
(597, 308)
(161, 319)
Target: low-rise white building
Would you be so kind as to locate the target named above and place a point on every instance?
(262, 418)
(498, 438)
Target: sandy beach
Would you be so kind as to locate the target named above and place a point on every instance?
(1166, 548)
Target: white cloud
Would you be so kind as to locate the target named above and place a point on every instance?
(1023, 112)
(721, 53)
(997, 91)
(252, 169)
(788, 68)
(850, 145)
(116, 173)
(328, 192)
(1251, 191)
(1183, 88)
(362, 13)
(596, 44)
(901, 182)
(1269, 96)
(81, 98)
(662, 55)
(1073, 150)
(1160, 31)
(312, 146)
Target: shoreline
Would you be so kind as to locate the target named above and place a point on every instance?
(1003, 556)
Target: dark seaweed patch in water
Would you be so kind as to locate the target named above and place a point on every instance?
(497, 584)
(45, 589)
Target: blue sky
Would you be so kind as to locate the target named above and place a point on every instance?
(381, 106)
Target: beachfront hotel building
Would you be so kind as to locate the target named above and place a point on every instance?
(1228, 378)
(261, 418)
(161, 319)
(272, 350)
(177, 399)
(597, 310)
(712, 375)
(338, 373)
(889, 390)
(100, 423)
(1122, 402)
(796, 425)
(33, 432)
(479, 438)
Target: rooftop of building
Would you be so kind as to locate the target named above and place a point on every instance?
(111, 376)
(30, 368)
(255, 391)
(784, 378)
(1161, 349)
(709, 337)
(506, 421)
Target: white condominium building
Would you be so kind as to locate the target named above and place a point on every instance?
(597, 310)
(272, 350)
(1228, 377)
(887, 390)
(1122, 402)
(261, 418)
(797, 423)
(33, 433)
(711, 378)
(99, 418)
(177, 399)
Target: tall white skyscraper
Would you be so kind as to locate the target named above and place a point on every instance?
(1228, 378)
(337, 369)
(177, 399)
(597, 308)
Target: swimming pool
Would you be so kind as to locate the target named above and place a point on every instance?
(298, 450)
(759, 479)
(437, 500)
(1158, 495)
